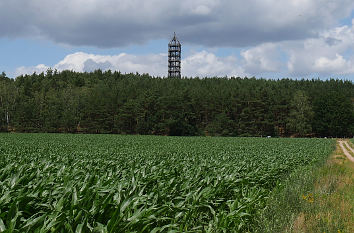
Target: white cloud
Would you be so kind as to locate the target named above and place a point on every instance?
(201, 64)
(330, 54)
(205, 64)
(336, 65)
(263, 58)
(112, 23)
(31, 69)
(127, 63)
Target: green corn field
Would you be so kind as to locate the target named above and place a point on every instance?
(117, 183)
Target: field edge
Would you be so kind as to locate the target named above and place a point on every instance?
(313, 199)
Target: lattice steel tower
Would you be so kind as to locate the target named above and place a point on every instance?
(174, 57)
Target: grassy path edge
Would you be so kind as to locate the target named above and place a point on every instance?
(314, 199)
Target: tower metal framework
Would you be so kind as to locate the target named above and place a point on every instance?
(174, 57)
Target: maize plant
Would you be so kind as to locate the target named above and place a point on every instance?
(116, 183)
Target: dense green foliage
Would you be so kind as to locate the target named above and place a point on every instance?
(301, 115)
(112, 183)
(111, 102)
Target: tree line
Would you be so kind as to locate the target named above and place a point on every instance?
(112, 102)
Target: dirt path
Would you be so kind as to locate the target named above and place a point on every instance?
(345, 151)
(348, 146)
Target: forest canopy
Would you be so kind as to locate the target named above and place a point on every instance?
(112, 102)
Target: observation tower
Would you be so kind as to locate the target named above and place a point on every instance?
(174, 57)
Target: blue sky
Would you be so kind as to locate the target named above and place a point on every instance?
(271, 39)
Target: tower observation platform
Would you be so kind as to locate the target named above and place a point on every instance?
(174, 57)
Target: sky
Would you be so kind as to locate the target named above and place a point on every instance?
(255, 38)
